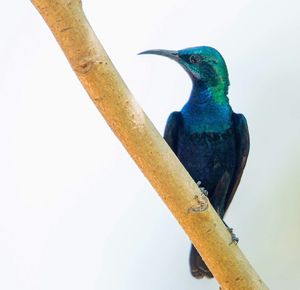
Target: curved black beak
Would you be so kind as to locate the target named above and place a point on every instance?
(172, 54)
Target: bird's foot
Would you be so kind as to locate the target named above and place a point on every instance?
(203, 189)
(234, 238)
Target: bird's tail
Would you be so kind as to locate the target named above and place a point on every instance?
(197, 265)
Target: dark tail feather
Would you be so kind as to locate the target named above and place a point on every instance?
(197, 265)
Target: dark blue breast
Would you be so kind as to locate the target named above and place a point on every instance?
(206, 156)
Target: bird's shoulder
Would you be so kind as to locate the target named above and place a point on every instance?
(239, 120)
(241, 131)
(174, 122)
(175, 118)
(173, 126)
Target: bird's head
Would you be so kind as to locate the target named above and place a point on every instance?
(204, 64)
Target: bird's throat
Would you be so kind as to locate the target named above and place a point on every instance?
(201, 94)
(207, 110)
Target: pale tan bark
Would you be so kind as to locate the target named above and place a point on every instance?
(146, 146)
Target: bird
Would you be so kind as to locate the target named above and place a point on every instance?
(210, 140)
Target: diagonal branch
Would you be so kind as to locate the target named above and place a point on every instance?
(146, 146)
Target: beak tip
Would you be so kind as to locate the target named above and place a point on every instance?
(147, 52)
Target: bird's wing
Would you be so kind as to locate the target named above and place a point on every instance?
(174, 123)
(242, 150)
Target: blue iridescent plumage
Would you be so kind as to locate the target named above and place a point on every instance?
(210, 140)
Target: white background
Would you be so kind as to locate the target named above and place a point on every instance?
(75, 211)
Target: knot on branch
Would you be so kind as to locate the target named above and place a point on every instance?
(85, 63)
(199, 204)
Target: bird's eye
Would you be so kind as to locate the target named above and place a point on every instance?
(195, 58)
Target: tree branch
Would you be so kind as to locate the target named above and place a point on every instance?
(146, 146)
